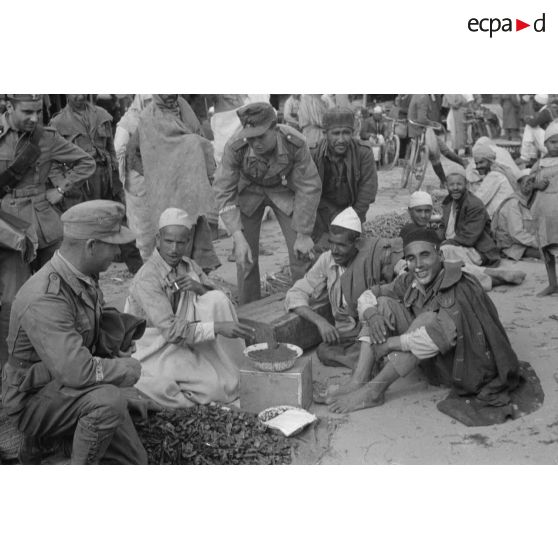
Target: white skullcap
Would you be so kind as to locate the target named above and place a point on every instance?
(348, 219)
(420, 198)
(541, 99)
(377, 109)
(175, 216)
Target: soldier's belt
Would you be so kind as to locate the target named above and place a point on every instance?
(17, 363)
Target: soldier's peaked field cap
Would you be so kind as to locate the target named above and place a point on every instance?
(256, 119)
(97, 219)
(24, 97)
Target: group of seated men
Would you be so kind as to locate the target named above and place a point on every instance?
(70, 358)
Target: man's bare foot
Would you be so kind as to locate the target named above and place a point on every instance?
(551, 289)
(335, 390)
(362, 398)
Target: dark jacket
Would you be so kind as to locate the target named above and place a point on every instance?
(482, 362)
(361, 173)
(472, 227)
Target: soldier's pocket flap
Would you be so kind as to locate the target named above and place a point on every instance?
(48, 220)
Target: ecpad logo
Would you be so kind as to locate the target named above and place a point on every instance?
(494, 24)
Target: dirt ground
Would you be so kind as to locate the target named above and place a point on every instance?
(408, 429)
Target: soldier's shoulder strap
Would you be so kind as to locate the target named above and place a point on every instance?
(53, 285)
(291, 135)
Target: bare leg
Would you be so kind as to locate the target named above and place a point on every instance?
(367, 359)
(368, 395)
(550, 264)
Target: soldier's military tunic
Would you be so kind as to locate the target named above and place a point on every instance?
(287, 181)
(52, 380)
(91, 130)
(28, 202)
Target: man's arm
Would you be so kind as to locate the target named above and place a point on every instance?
(50, 326)
(541, 118)
(225, 186)
(80, 165)
(368, 185)
(308, 190)
(515, 226)
(298, 296)
(150, 295)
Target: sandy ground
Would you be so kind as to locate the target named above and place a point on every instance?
(409, 429)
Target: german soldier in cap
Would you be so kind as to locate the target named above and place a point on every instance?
(58, 380)
(266, 164)
(347, 169)
(30, 155)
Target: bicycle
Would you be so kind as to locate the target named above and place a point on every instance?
(392, 144)
(414, 167)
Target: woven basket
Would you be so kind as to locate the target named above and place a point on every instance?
(10, 437)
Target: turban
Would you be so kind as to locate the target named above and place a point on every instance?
(338, 118)
(551, 130)
(541, 99)
(483, 151)
(175, 216)
(348, 219)
(421, 234)
(420, 198)
(454, 168)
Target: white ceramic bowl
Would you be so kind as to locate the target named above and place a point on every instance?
(276, 365)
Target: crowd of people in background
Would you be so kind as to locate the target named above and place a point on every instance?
(179, 170)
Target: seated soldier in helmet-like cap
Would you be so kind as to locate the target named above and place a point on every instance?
(347, 169)
(58, 380)
(435, 317)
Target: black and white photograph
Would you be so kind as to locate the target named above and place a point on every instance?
(319, 323)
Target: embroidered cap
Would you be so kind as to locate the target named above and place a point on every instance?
(99, 220)
(421, 234)
(256, 119)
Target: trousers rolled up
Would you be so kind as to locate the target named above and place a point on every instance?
(97, 417)
(248, 276)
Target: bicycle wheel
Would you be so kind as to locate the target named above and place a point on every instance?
(391, 152)
(408, 163)
(416, 176)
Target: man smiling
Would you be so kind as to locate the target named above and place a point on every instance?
(347, 169)
(436, 317)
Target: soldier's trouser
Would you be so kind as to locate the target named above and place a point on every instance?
(248, 278)
(13, 273)
(98, 417)
(401, 321)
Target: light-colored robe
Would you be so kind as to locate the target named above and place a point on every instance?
(183, 362)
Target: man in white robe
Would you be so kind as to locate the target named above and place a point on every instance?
(192, 348)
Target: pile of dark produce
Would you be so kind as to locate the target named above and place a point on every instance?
(386, 225)
(281, 352)
(210, 435)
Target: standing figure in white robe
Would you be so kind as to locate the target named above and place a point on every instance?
(192, 348)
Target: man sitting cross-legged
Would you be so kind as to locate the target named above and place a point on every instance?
(351, 266)
(192, 347)
(435, 316)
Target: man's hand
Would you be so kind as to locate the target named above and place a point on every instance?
(542, 185)
(303, 247)
(131, 350)
(186, 283)
(54, 196)
(233, 330)
(379, 327)
(126, 373)
(329, 333)
(242, 251)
